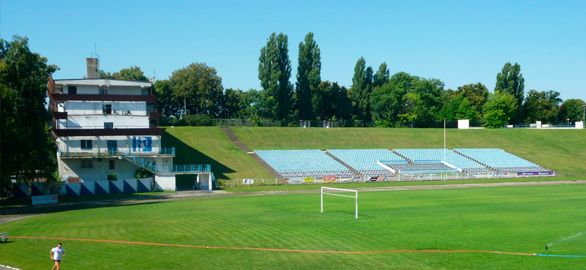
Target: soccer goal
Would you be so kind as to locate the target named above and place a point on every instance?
(340, 192)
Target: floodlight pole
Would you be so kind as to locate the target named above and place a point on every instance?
(444, 139)
(321, 200)
(356, 204)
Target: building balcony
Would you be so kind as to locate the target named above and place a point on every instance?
(115, 153)
(154, 131)
(102, 97)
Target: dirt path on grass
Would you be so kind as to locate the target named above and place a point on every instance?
(365, 252)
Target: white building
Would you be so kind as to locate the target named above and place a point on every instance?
(107, 130)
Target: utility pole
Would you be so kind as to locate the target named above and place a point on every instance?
(444, 139)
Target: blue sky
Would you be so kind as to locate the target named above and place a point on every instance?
(457, 42)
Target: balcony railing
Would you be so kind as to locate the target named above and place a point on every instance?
(170, 151)
(190, 168)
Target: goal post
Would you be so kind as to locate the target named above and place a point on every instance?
(339, 192)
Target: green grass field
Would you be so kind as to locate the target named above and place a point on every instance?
(560, 150)
(509, 219)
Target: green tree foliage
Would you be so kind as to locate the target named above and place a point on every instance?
(457, 108)
(198, 88)
(333, 102)
(476, 93)
(407, 100)
(308, 77)
(361, 90)
(511, 81)
(382, 75)
(233, 104)
(27, 151)
(572, 109)
(274, 72)
(134, 73)
(167, 104)
(541, 106)
(499, 109)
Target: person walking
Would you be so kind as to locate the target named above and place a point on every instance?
(56, 254)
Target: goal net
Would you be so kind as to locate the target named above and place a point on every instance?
(340, 192)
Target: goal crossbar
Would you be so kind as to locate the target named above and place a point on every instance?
(355, 197)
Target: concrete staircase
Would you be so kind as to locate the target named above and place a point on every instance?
(354, 171)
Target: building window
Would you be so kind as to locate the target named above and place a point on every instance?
(103, 90)
(145, 92)
(108, 125)
(112, 146)
(112, 164)
(86, 144)
(86, 163)
(72, 90)
(107, 108)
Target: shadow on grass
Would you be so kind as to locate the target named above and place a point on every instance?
(84, 202)
(185, 154)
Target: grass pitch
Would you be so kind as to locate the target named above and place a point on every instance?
(508, 219)
(559, 150)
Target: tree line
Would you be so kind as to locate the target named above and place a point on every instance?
(194, 95)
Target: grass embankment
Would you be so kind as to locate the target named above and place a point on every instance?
(561, 150)
(510, 219)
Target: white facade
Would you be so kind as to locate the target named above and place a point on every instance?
(106, 130)
(109, 109)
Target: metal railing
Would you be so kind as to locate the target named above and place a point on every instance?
(170, 151)
(188, 168)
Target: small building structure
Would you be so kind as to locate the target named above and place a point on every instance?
(106, 130)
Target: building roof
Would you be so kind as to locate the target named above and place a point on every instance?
(101, 82)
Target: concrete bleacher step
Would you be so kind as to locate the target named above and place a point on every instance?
(402, 156)
(266, 166)
(354, 171)
(475, 160)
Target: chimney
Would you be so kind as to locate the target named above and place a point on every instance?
(92, 68)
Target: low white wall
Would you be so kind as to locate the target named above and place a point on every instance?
(165, 183)
(463, 124)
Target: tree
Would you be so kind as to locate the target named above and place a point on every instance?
(231, 105)
(456, 108)
(407, 100)
(572, 109)
(308, 76)
(422, 103)
(198, 88)
(27, 151)
(382, 75)
(541, 106)
(274, 72)
(167, 103)
(499, 110)
(133, 73)
(476, 93)
(361, 90)
(333, 102)
(511, 81)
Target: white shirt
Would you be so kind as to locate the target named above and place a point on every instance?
(57, 253)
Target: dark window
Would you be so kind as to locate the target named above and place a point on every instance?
(86, 163)
(86, 144)
(112, 164)
(108, 125)
(145, 92)
(107, 108)
(112, 146)
(72, 90)
(103, 90)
